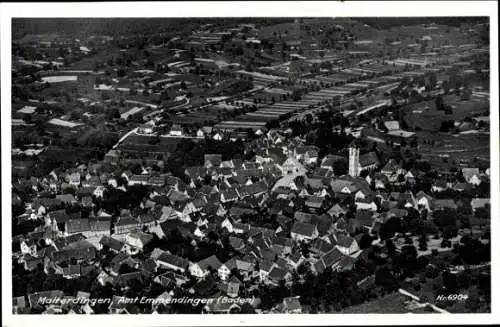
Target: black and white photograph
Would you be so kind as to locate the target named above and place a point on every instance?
(329, 164)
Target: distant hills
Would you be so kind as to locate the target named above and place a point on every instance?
(388, 22)
(85, 27)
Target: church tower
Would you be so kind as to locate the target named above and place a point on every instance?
(354, 161)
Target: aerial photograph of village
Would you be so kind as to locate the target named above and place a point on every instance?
(250, 165)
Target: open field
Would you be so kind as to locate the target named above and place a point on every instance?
(137, 142)
(454, 147)
(391, 303)
(425, 116)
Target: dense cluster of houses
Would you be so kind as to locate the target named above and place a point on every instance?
(285, 180)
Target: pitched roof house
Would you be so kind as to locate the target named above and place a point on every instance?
(328, 260)
(173, 262)
(303, 231)
(200, 269)
(441, 204)
(477, 203)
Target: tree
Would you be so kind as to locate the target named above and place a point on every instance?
(305, 249)
(365, 241)
(472, 251)
(431, 272)
(446, 126)
(465, 94)
(309, 118)
(154, 140)
(98, 81)
(431, 81)
(385, 278)
(482, 212)
(445, 217)
(113, 113)
(407, 260)
(391, 248)
(445, 243)
(340, 167)
(450, 231)
(440, 103)
(422, 243)
(450, 282)
(390, 228)
(120, 72)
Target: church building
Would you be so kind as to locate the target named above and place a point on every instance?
(359, 163)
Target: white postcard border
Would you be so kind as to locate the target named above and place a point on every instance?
(242, 9)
